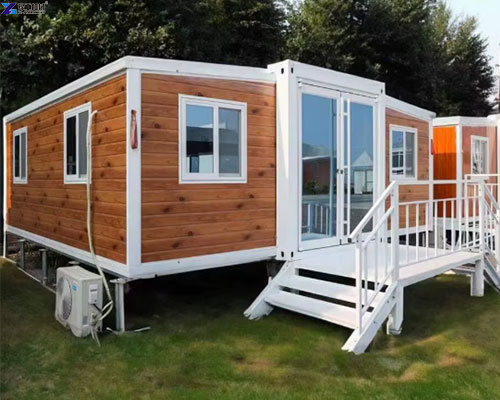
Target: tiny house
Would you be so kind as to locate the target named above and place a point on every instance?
(465, 146)
(215, 175)
(197, 166)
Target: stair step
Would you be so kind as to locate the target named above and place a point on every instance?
(334, 313)
(323, 288)
(420, 271)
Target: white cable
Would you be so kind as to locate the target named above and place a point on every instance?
(109, 306)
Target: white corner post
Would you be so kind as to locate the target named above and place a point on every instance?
(133, 261)
(395, 320)
(5, 242)
(133, 171)
(287, 159)
(477, 278)
(379, 153)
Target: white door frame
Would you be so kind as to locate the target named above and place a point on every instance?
(329, 94)
(290, 75)
(343, 167)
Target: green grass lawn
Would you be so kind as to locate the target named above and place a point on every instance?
(200, 346)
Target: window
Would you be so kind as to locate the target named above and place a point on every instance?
(479, 155)
(403, 152)
(212, 140)
(75, 144)
(20, 155)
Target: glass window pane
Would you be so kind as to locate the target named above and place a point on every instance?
(397, 153)
(22, 159)
(361, 188)
(410, 155)
(71, 146)
(319, 163)
(200, 139)
(83, 119)
(229, 141)
(16, 156)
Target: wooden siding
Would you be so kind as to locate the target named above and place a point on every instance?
(483, 131)
(489, 132)
(408, 193)
(186, 220)
(48, 207)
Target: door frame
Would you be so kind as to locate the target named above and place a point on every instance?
(329, 94)
(290, 75)
(342, 219)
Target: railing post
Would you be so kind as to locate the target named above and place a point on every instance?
(359, 284)
(497, 240)
(482, 199)
(395, 319)
(477, 280)
(395, 234)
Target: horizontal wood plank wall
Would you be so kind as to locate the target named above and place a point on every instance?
(410, 192)
(489, 132)
(483, 131)
(196, 219)
(48, 207)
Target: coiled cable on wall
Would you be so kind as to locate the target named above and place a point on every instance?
(104, 312)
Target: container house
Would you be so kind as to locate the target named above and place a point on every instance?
(196, 165)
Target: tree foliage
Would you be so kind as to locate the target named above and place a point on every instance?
(42, 53)
(424, 54)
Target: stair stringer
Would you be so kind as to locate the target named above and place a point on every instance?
(491, 274)
(260, 308)
(358, 342)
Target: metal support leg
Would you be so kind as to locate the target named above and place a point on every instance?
(5, 244)
(45, 276)
(477, 279)
(395, 320)
(22, 253)
(119, 305)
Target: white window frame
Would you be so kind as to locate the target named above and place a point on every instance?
(74, 112)
(214, 177)
(403, 129)
(474, 138)
(19, 179)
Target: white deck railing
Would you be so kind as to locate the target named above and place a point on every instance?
(406, 233)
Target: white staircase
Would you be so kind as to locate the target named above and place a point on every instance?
(363, 289)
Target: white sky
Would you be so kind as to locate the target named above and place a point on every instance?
(487, 13)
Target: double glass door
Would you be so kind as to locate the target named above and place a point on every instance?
(336, 166)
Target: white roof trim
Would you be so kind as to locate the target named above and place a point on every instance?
(407, 108)
(69, 89)
(464, 121)
(148, 64)
(329, 78)
(145, 64)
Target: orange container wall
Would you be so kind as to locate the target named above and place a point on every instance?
(445, 160)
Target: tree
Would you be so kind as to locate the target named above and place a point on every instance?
(424, 56)
(43, 53)
(464, 81)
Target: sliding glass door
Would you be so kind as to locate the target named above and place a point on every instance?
(336, 164)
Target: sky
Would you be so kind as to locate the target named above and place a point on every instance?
(487, 13)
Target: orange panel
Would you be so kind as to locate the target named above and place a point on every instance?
(445, 160)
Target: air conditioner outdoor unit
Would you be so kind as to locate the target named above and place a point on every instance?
(78, 299)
